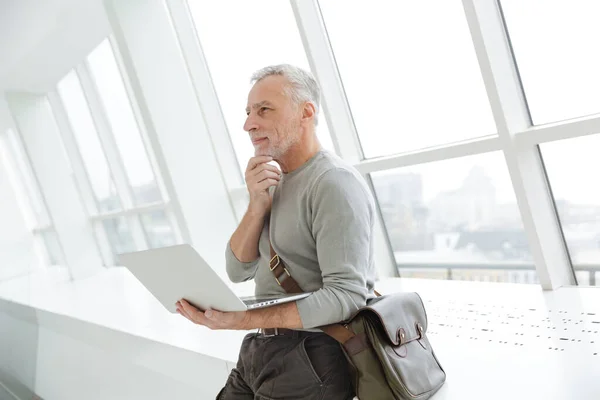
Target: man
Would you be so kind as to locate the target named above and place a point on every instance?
(320, 216)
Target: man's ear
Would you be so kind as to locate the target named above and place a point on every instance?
(309, 111)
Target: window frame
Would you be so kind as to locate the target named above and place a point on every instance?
(516, 137)
(17, 158)
(129, 210)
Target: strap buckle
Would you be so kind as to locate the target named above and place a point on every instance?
(272, 266)
(275, 257)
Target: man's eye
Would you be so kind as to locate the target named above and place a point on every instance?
(263, 109)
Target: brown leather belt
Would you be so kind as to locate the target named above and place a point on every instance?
(277, 332)
(269, 332)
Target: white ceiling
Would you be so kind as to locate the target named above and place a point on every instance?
(40, 41)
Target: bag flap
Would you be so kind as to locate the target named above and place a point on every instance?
(400, 314)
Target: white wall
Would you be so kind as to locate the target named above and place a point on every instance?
(17, 250)
(41, 41)
(22, 24)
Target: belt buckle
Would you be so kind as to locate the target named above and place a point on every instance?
(276, 330)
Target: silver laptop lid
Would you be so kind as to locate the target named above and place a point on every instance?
(176, 272)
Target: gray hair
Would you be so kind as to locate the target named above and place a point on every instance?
(303, 86)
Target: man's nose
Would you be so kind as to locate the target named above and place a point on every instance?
(250, 124)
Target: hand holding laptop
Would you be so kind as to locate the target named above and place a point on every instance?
(178, 272)
(211, 318)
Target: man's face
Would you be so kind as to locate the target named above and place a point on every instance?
(273, 121)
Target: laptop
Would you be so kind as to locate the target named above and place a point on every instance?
(178, 272)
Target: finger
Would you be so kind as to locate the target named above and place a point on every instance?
(255, 161)
(187, 315)
(183, 314)
(267, 183)
(181, 311)
(264, 168)
(192, 311)
(198, 319)
(265, 175)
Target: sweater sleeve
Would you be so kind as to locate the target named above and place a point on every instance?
(342, 224)
(237, 270)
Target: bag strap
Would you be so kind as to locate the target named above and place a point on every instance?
(289, 284)
(282, 275)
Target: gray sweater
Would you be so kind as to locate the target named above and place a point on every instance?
(321, 225)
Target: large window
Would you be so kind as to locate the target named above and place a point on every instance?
(86, 136)
(413, 78)
(158, 229)
(455, 219)
(130, 212)
(33, 207)
(109, 83)
(51, 249)
(572, 167)
(119, 235)
(410, 73)
(555, 46)
(238, 38)
(32, 200)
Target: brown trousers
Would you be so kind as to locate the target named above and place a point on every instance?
(307, 366)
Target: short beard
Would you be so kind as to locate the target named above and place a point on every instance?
(290, 139)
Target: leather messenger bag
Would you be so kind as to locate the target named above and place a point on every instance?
(385, 343)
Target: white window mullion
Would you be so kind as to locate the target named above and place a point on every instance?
(103, 243)
(155, 157)
(37, 122)
(173, 221)
(336, 108)
(15, 171)
(106, 139)
(464, 149)
(80, 176)
(322, 63)
(207, 98)
(133, 211)
(137, 231)
(152, 143)
(150, 149)
(111, 151)
(524, 164)
(588, 125)
(8, 159)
